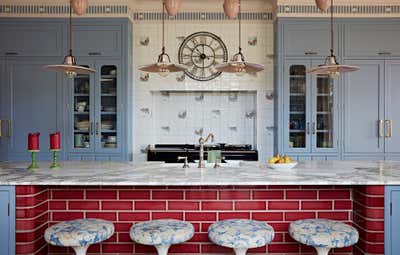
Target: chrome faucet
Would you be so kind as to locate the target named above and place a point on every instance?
(202, 141)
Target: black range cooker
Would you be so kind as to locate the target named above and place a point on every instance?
(170, 152)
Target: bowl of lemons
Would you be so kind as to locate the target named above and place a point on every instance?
(281, 162)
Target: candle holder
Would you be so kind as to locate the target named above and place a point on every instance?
(55, 165)
(33, 166)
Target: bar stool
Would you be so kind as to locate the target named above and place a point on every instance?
(161, 233)
(241, 235)
(79, 234)
(323, 234)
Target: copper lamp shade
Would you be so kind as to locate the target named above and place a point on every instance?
(323, 5)
(239, 66)
(231, 8)
(79, 6)
(172, 6)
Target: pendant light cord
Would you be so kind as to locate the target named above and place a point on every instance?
(332, 34)
(163, 26)
(70, 27)
(240, 26)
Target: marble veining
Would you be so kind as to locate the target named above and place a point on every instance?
(243, 173)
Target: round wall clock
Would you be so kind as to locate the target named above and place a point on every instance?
(200, 52)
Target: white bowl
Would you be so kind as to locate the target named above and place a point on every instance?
(282, 165)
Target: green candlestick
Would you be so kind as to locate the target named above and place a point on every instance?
(33, 166)
(55, 165)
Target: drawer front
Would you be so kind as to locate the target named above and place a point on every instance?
(372, 40)
(311, 39)
(31, 40)
(92, 40)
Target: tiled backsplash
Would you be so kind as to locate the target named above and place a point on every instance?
(179, 117)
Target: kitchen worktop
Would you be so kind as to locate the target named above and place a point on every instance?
(245, 173)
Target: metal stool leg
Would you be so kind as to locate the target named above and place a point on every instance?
(162, 249)
(322, 250)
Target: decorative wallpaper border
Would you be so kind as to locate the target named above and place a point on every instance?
(342, 9)
(40, 10)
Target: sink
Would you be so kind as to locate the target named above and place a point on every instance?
(228, 164)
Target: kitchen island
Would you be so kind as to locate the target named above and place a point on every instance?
(125, 192)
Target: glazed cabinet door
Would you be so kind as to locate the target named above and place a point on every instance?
(82, 107)
(7, 220)
(108, 106)
(324, 125)
(4, 112)
(392, 106)
(363, 93)
(297, 120)
(392, 220)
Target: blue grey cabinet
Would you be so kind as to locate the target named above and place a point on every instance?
(372, 39)
(307, 37)
(363, 93)
(31, 104)
(310, 121)
(21, 37)
(7, 220)
(4, 117)
(97, 38)
(392, 220)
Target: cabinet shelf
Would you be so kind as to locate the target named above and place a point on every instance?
(297, 131)
(81, 131)
(297, 94)
(297, 76)
(324, 95)
(108, 113)
(108, 76)
(81, 113)
(108, 131)
(108, 94)
(297, 112)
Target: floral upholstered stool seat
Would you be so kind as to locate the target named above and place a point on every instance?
(79, 234)
(323, 234)
(161, 233)
(240, 234)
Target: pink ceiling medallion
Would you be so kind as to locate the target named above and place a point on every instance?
(79, 6)
(323, 5)
(231, 8)
(172, 6)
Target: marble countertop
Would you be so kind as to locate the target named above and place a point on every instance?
(245, 173)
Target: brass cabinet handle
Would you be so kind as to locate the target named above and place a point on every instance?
(381, 127)
(9, 128)
(310, 53)
(389, 130)
(308, 128)
(384, 53)
(313, 128)
(91, 128)
(97, 128)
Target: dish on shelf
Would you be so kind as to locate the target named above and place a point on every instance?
(282, 166)
(82, 125)
(109, 109)
(110, 145)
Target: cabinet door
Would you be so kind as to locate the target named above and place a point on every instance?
(7, 240)
(33, 104)
(392, 220)
(324, 112)
(392, 118)
(371, 39)
(82, 109)
(296, 126)
(4, 117)
(108, 112)
(97, 40)
(363, 93)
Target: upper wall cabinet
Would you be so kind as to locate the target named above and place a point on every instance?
(27, 39)
(97, 40)
(371, 40)
(311, 38)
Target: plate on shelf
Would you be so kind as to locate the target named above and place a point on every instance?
(110, 145)
(282, 166)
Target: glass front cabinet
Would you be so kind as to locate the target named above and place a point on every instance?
(95, 112)
(310, 119)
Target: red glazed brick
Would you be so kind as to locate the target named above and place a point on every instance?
(67, 194)
(31, 201)
(183, 205)
(334, 194)
(280, 226)
(185, 248)
(117, 248)
(233, 215)
(268, 194)
(133, 216)
(61, 216)
(301, 194)
(200, 216)
(343, 205)
(278, 238)
(58, 205)
(167, 194)
(212, 248)
(116, 205)
(145, 249)
(28, 213)
(28, 190)
(262, 249)
(334, 215)
(283, 205)
(369, 201)
(150, 205)
(283, 248)
(217, 205)
(167, 215)
(134, 194)
(201, 195)
(101, 194)
(292, 216)
(83, 205)
(94, 248)
(124, 238)
(31, 224)
(112, 216)
(267, 216)
(122, 227)
(234, 194)
(199, 238)
(316, 205)
(250, 205)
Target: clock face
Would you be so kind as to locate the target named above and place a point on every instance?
(200, 52)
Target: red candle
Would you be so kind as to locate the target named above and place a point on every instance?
(55, 141)
(33, 141)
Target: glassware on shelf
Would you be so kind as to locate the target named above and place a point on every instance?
(325, 112)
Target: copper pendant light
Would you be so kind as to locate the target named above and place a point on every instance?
(69, 66)
(238, 65)
(231, 8)
(331, 67)
(323, 5)
(172, 6)
(163, 66)
(79, 6)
